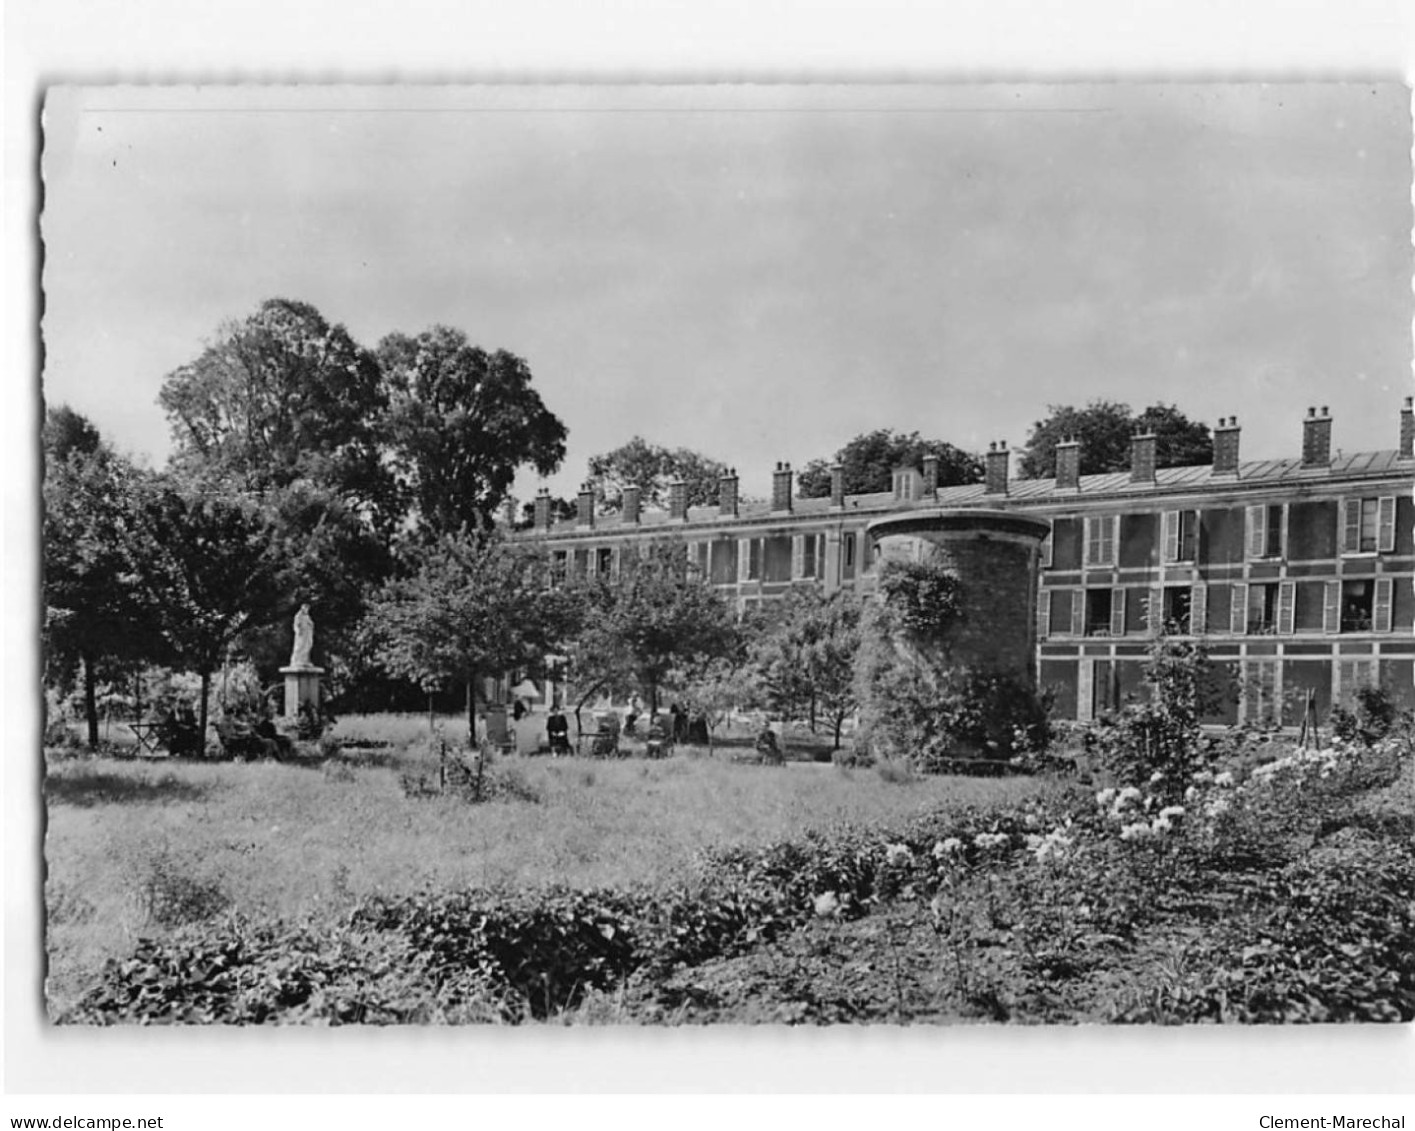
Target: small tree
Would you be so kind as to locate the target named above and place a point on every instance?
(805, 657)
(1162, 734)
(473, 605)
(713, 687)
(654, 616)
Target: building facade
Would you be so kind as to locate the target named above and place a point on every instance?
(1298, 574)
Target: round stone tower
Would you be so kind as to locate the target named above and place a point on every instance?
(995, 555)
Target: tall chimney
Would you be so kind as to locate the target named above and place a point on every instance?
(1068, 465)
(1226, 446)
(1142, 457)
(727, 493)
(584, 506)
(1316, 438)
(837, 485)
(629, 498)
(677, 499)
(1407, 429)
(995, 477)
(542, 509)
(781, 487)
(930, 477)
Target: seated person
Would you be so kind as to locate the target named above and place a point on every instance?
(659, 738)
(767, 746)
(557, 731)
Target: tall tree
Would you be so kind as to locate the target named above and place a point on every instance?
(870, 458)
(213, 572)
(460, 423)
(281, 396)
(474, 606)
(1104, 429)
(92, 607)
(652, 467)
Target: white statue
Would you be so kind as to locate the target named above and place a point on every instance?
(304, 638)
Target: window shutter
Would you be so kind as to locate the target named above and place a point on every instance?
(1156, 612)
(614, 562)
(1331, 607)
(1350, 526)
(1112, 526)
(1381, 614)
(1286, 606)
(1198, 609)
(1257, 531)
(1078, 612)
(798, 556)
(1044, 615)
(1170, 528)
(1085, 690)
(1117, 612)
(1385, 525)
(744, 557)
(1046, 552)
(1093, 530)
(1282, 533)
(1238, 614)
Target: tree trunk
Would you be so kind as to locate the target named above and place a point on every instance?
(202, 715)
(839, 722)
(813, 711)
(431, 721)
(472, 708)
(90, 699)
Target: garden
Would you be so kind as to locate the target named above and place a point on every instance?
(1248, 880)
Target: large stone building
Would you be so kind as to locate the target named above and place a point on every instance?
(1298, 573)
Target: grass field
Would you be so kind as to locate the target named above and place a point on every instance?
(138, 848)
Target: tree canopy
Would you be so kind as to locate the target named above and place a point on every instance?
(278, 396)
(870, 458)
(92, 607)
(474, 605)
(658, 614)
(804, 657)
(1104, 429)
(652, 467)
(460, 423)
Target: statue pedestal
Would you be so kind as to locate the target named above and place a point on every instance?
(301, 687)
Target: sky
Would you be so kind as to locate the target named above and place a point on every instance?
(755, 272)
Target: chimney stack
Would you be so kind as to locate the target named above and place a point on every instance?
(542, 509)
(930, 477)
(1068, 465)
(1407, 429)
(727, 493)
(1226, 446)
(630, 504)
(1316, 438)
(584, 506)
(1142, 457)
(677, 499)
(781, 487)
(995, 477)
(837, 485)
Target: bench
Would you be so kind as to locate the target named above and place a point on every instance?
(241, 741)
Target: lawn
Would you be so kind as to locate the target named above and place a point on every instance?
(136, 849)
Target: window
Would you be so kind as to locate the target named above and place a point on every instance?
(1098, 609)
(604, 561)
(1352, 675)
(1261, 692)
(1368, 525)
(808, 561)
(559, 563)
(1100, 540)
(1262, 609)
(753, 559)
(1178, 604)
(1358, 605)
(847, 556)
(1181, 536)
(1267, 527)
